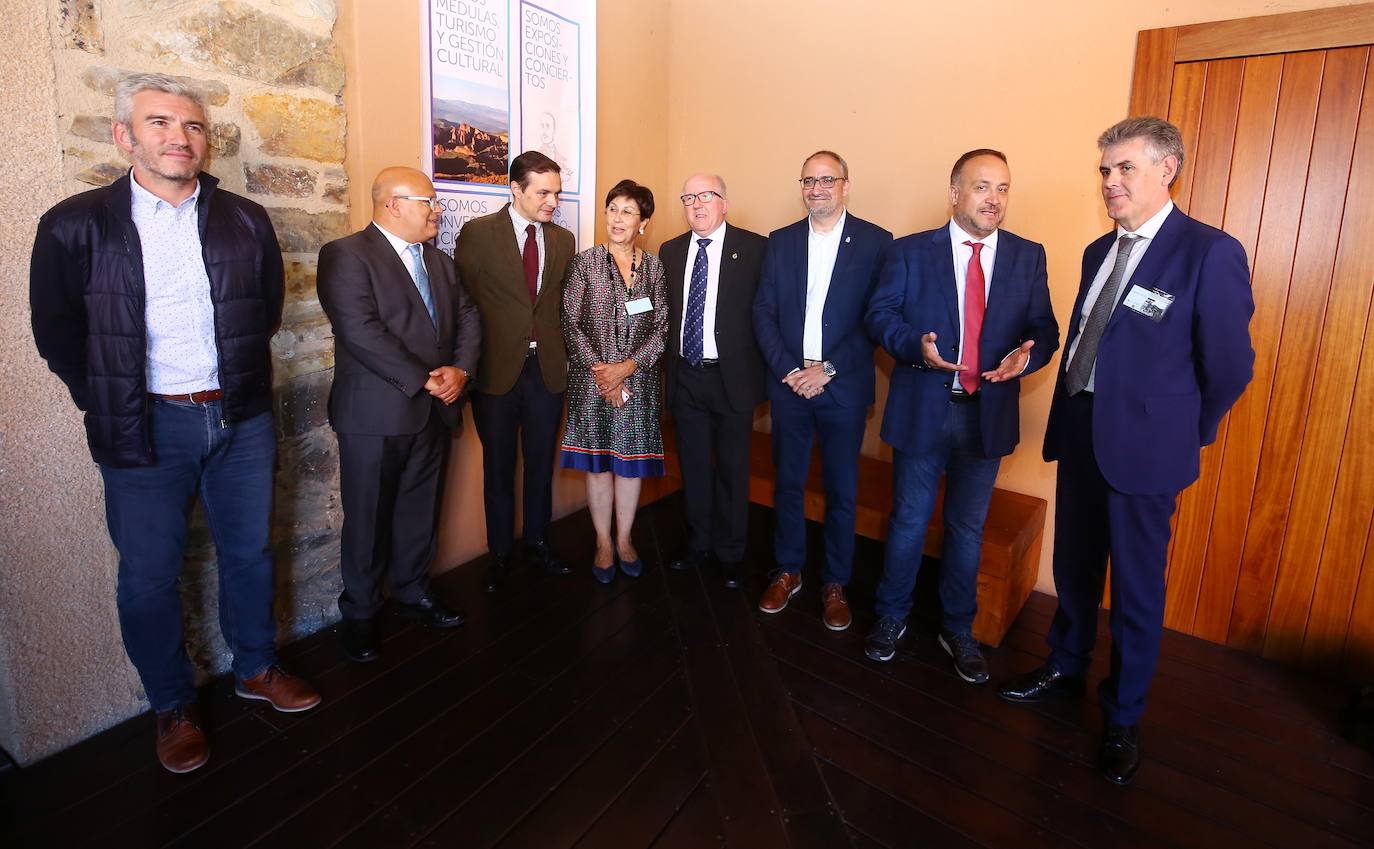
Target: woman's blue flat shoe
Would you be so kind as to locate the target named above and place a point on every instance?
(633, 568)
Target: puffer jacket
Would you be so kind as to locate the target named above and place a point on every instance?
(86, 292)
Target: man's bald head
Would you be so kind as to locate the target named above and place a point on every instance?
(402, 204)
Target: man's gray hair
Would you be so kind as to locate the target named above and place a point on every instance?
(1161, 138)
(721, 181)
(134, 83)
(839, 160)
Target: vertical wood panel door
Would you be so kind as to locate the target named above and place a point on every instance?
(1272, 550)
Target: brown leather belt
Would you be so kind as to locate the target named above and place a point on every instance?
(193, 397)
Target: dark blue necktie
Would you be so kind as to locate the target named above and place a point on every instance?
(694, 320)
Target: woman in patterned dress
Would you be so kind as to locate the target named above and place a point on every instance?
(615, 317)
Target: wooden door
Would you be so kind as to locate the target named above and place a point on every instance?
(1272, 550)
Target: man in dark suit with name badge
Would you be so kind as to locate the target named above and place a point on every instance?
(818, 275)
(714, 371)
(406, 340)
(965, 311)
(512, 262)
(1158, 351)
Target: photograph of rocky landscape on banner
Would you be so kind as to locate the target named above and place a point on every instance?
(471, 139)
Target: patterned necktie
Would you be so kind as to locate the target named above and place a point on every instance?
(1081, 369)
(693, 323)
(421, 278)
(975, 301)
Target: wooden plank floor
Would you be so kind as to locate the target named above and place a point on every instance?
(666, 712)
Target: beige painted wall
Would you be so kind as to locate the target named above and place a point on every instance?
(900, 90)
(382, 96)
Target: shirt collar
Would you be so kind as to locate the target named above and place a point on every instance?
(521, 223)
(1150, 228)
(834, 231)
(397, 243)
(958, 236)
(716, 236)
(144, 198)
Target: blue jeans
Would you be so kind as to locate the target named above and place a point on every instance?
(146, 509)
(969, 478)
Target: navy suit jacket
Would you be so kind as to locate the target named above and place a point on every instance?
(1161, 388)
(916, 295)
(780, 308)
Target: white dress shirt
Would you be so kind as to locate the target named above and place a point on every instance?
(400, 246)
(821, 252)
(178, 313)
(521, 234)
(1145, 236)
(714, 252)
(962, 254)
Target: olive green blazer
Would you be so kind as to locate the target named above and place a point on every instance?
(491, 269)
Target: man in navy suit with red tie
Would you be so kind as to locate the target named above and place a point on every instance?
(818, 275)
(1158, 351)
(965, 311)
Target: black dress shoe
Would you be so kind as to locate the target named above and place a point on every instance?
(689, 561)
(1041, 683)
(359, 640)
(540, 555)
(731, 572)
(497, 572)
(432, 612)
(1120, 755)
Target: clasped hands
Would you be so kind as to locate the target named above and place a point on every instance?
(1011, 366)
(610, 381)
(807, 382)
(446, 383)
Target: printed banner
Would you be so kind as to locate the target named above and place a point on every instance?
(502, 77)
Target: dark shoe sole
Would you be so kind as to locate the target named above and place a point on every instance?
(884, 658)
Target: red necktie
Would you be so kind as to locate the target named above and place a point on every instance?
(975, 300)
(531, 259)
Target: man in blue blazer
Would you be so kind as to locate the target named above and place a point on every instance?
(1158, 351)
(817, 277)
(965, 311)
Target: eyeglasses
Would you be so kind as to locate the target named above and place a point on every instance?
(700, 197)
(826, 182)
(431, 202)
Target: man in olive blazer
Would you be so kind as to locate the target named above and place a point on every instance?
(512, 263)
(714, 371)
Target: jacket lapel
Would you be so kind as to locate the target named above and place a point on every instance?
(1146, 274)
(943, 261)
(507, 248)
(1002, 262)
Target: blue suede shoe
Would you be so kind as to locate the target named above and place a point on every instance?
(633, 568)
(604, 576)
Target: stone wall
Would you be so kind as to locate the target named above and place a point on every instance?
(273, 78)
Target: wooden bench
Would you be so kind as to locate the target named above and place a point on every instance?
(1012, 534)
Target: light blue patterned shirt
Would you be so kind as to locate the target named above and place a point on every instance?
(178, 312)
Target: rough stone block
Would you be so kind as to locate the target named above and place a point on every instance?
(102, 173)
(79, 25)
(323, 72)
(281, 180)
(93, 127)
(299, 231)
(240, 39)
(104, 79)
(303, 403)
(225, 139)
(295, 126)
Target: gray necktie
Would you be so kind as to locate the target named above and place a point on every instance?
(1081, 369)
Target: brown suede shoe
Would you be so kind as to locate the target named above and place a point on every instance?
(835, 608)
(181, 743)
(784, 586)
(281, 689)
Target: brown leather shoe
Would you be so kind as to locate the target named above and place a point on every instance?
(281, 689)
(784, 586)
(181, 743)
(835, 608)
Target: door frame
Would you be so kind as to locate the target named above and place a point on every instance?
(1158, 50)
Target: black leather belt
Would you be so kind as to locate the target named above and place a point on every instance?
(703, 364)
(963, 398)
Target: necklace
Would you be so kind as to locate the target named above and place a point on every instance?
(634, 255)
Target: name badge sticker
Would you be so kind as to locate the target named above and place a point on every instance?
(639, 305)
(1151, 303)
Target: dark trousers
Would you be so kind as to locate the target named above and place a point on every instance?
(528, 416)
(146, 508)
(796, 422)
(1091, 521)
(390, 489)
(713, 449)
(969, 479)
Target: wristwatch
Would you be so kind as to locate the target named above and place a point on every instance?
(828, 367)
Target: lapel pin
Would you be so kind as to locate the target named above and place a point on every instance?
(846, 240)
(734, 256)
